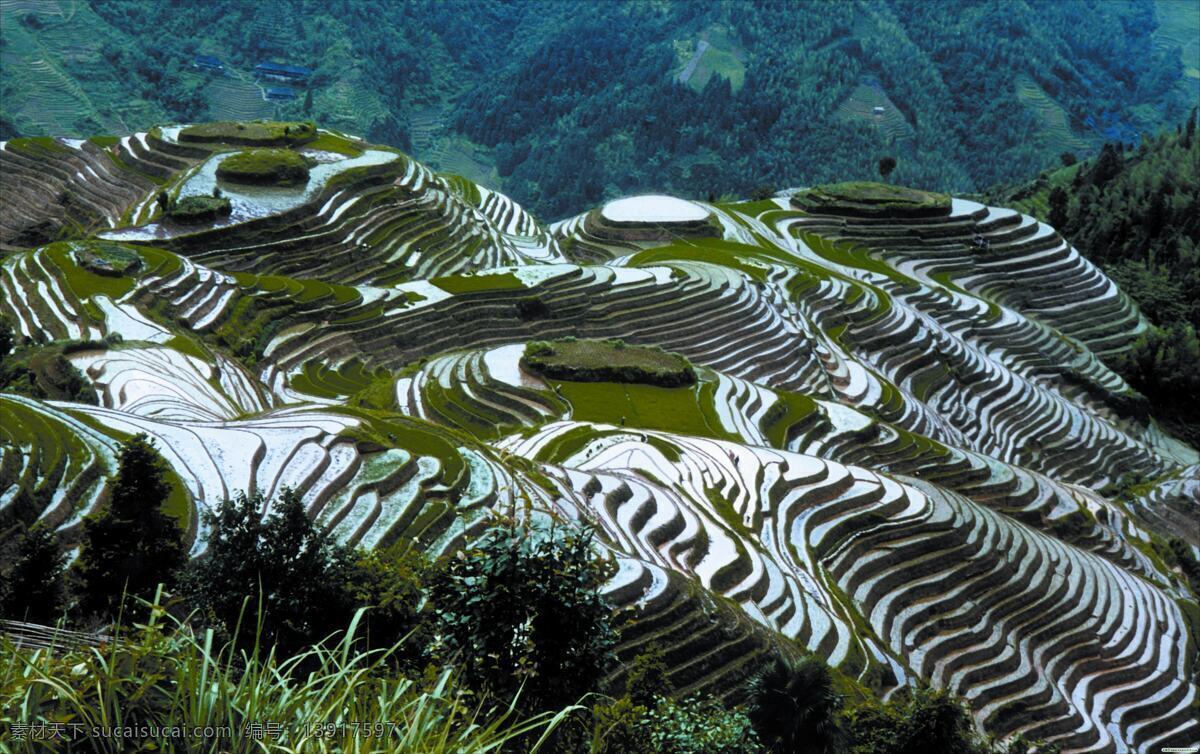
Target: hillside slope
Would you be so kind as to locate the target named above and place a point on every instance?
(896, 451)
(683, 98)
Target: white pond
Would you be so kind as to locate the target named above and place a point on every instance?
(653, 208)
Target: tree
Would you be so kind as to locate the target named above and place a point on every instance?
(886, 166)
(1108, 165)
(1068, 159)
(163, 201)
(521, 611)
(795, 708)
(1058, 208)
(7, 338)
(130, 546)
(281, 565)
(34, 588)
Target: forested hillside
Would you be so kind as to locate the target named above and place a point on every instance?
(564, 104)
(1137, 212)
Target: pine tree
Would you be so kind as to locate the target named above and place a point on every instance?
(1108, 165)
(34, 588)
(130, 546)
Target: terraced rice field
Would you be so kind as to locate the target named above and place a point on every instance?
(236, 99)
(899, 451)
(862, 105)
(1056, 128)
(714, 54)
(1179, 26)
(50, 61)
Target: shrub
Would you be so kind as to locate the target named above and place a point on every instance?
(691, 726)
(886, 166)
(7, 338)
(1164, 365)
(522, 610)
(130, 546)
(194, 210)
(531, 308)
(272, 167)
(390, 584)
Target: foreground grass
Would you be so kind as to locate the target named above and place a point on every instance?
(329, 699)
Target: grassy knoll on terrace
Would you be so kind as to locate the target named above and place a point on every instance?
(872, 199)
(607, 361)
(108, 259)
(265, 167)
(195, 210)
(262, 133)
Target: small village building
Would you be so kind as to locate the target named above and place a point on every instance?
(281, 72)
(281, 93)
(208, 62)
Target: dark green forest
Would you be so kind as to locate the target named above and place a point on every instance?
(562, 104)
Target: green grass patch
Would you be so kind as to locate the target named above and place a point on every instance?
(500, 281)
(265, 167)
(717, 62)
(607, 361)
(327, 142)
(189, 346)
(37, 146)
(677, 410)
(380, 430)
